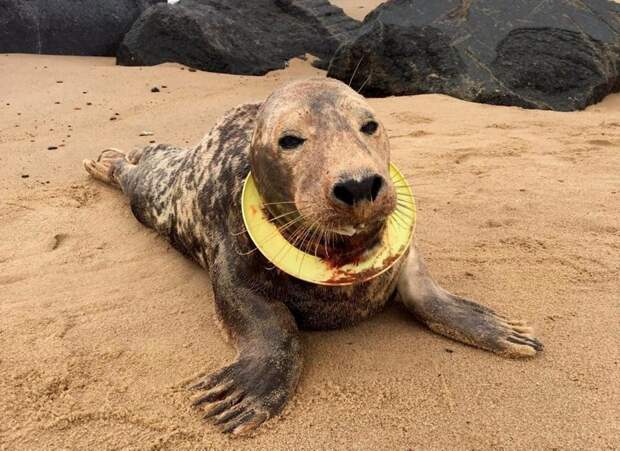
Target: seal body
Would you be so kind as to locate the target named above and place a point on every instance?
(319, 156)
(192, 197)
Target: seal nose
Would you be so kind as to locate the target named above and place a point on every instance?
(351, 191)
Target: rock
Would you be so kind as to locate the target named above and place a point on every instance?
(154, 89)
(235, 36)
(63, 27)
(145, 133)
(558, 54)
(328, 19)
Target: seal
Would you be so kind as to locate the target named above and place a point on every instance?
(320, 161)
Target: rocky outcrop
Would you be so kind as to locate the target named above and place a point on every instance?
(327, 19)
(557, 54)
(64, 27)
(235, 36)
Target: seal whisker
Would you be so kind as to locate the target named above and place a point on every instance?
(364, 84)
(405, 196)
(405, 199)
(274, 219)
(404, 205)
(309, 229)
(310, 237)
(301, 263)
(298, 210)
(238, 233)
(397, 219)
(403, 188)
(299, 237)
(402, 185)
(326, 243)
(278, 203)
(399, 223)
(407, 185)
(319, 240)
(404, 218)
(287, 248)
(302, 246)
(275, 233)
(356, 68)
(412, 186)
(288, 225)
(251, 251)
(277, 255)
(405, 209)
(270, 220)
(295, 236)
(404, 215)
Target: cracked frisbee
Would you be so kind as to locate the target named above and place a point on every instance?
(393, 244)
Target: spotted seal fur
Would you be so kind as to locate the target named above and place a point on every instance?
(319, 155)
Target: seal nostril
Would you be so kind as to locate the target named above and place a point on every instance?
(342, 193)
(351, 191)
(377, 184)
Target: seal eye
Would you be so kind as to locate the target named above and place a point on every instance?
(369, 127)
(289, 142)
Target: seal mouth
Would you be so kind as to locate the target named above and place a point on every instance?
(346, 231)
(351, 230)
(348, 243)
(328, 239)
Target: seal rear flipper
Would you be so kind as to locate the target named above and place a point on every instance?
(255, 387)
(461, 319)
(105, 166)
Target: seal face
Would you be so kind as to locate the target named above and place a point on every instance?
(320, 159)
(321, 162)
(392, 245)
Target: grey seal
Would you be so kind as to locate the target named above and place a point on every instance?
(319, 155)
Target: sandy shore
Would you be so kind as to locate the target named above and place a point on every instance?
(101, 321)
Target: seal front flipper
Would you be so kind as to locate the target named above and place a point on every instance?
(461, 319)
(257, 385)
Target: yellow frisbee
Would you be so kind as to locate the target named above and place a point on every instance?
(282, 254)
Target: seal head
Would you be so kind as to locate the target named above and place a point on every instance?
(320, 159)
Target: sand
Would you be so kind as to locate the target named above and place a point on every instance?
(357, 8)
(102, 322)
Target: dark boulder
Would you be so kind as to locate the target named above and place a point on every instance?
(235, 36)
(558, 54)
(65, 27)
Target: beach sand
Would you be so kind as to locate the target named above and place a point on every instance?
(102, 322)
